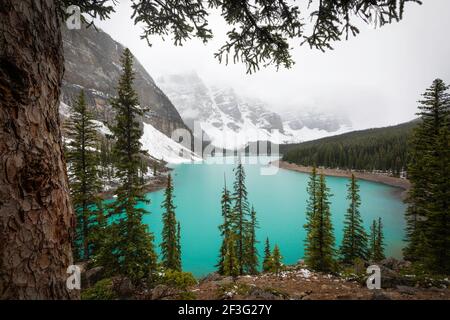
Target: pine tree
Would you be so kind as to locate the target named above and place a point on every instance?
(225, 228)
(373, 240)
(268, 259)
(230, 263)
(428, 214)
(84, 180)
(311, 208)
(128, 248)
(252, 253)
(354, 242)
(277, 260)
(319, 249)
(240, 216)
(376, 252)
(171, 257)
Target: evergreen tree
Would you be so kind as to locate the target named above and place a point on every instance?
(252, 253)
(240, 216)
(230, 263)
(319, 249)
(376, 252)
(277, 260)
(225, 228)
(128, 248)
(379, 254)
(84, 180)
(268, 259)
(179, 242)
(311, 208)
(171, 257)
(354, 242)
(428, 214)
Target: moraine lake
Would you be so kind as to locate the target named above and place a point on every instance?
(280, 203)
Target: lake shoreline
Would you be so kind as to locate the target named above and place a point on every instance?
(402, 184)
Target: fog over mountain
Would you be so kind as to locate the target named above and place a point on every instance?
(375, 78)
(230, 120)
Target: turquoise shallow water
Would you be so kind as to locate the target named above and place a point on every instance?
(280, 202)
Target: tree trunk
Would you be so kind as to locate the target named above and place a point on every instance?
(36, 219)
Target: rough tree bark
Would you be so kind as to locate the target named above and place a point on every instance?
(36, 218)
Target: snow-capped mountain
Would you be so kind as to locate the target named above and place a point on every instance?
(231, 121)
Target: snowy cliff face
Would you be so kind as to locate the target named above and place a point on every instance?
(231, 121)
(92, 63)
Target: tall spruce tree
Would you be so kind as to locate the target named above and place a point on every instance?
(231, 265)
(240, 216)
(84, 180)
(225, 230)
(428, 214)
(311, 206)
(319, 249)
(354, 242)
(379, 254)
(268, 259)
(128, 249)
(252, 260)
(376, 251)
(171, 256)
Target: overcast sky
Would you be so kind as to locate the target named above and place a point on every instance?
(375, 78)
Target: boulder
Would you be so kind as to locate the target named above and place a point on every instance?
(91, 277)
(162, 291)
(380, 295)
(211, 277)
(406, 290)
(123, 287)
(257, 293)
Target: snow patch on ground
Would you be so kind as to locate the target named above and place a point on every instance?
(162, 147)
(102, 128)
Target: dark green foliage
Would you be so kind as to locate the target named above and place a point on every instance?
(102, 290)
(227, 250)
(376, 252)
(268, 259)
(260, 31)
(170, 245)
(128, 248)
(319, 248)
(252, 253)
(428, 214)
(240, 216)
(231, 265)
(311, 207)
(238, 249)
(354, 242)
(84, 180)
(382, 149)
(277, 259)
(177, 279)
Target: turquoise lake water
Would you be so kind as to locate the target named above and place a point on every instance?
(280, 202)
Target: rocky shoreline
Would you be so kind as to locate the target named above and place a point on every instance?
(400, 183)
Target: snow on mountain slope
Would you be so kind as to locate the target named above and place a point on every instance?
(231, 121)
(162, 147)
(158, 145)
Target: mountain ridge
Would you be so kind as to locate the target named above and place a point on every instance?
(231, 121)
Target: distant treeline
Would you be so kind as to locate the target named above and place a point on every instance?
(382, 149)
